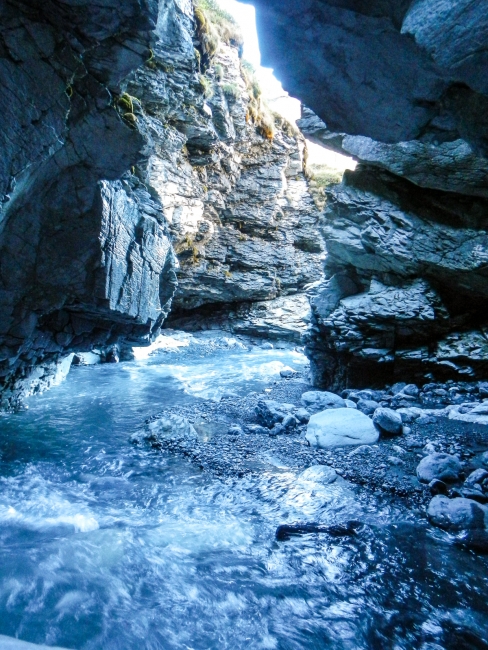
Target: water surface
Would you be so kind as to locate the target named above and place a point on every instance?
(109, 546)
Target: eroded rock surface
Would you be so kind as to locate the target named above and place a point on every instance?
(124, 147)
(406, 96)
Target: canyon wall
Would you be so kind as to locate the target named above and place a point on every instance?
(402, 87)
(130, 157)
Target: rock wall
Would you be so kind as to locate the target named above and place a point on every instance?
(243, 223)
(85, 256)
(128, 155)
(400, 86)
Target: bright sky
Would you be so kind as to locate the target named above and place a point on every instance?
(276, 97)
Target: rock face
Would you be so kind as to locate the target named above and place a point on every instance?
(84, 248)
(405, 290)
(125, 146)
(245, 226)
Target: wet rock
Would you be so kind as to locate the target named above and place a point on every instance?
(167, 428)
(338, 427)
(484, 459)
(388, 420)
(478, 477)
(457, 514)
(367, 406)
(438, 487)
(235, 430)
(320, 474)
(315, 401)
(286, 531)
(302, 415)
(439, 466)
(271, 412)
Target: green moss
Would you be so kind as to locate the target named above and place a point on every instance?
(225, 24)
(232, 91)
(219, 72)
(319, 178)
(206, 86)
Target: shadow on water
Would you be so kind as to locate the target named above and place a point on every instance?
(107, 546)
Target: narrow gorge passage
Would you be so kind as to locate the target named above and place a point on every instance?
(244, 334)
(110, 545)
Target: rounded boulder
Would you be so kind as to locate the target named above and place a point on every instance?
(320, 400)
(456, 514)
(441, 466)
(340, 427)
(388, 420)
(319, 474)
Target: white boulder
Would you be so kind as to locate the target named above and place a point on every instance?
(338, 427)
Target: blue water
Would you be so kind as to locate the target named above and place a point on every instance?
(109, 546)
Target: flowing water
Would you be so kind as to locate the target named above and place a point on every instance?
(109, 546)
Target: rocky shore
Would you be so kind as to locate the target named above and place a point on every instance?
(425, 448)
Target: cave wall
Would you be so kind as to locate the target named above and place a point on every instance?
(402, 87)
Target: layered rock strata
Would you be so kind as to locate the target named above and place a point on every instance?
(402, 88)
(128, 153)
(84, 248)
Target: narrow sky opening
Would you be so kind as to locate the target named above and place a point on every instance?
(277, 98)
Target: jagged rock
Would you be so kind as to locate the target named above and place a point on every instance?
(388, 420)
(424, 61)
(166, 429)
(315, 400)
(457, 514)
(339, 427)
(284, 318)
(444, 467)
(271, 412)
(86, 257)
(320, 474)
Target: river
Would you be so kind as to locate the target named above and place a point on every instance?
(105, 545)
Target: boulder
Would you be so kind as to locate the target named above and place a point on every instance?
(367, 406)
(166, 428)
(271, 412)
(478, 477)
(388, 420)
(319, 474)
(287, 373)
(317, 400)
(340, 427)
(302, 415)
(411, 390)
(350, 404)
(439, 465)
(457, 514)
(484, 459)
